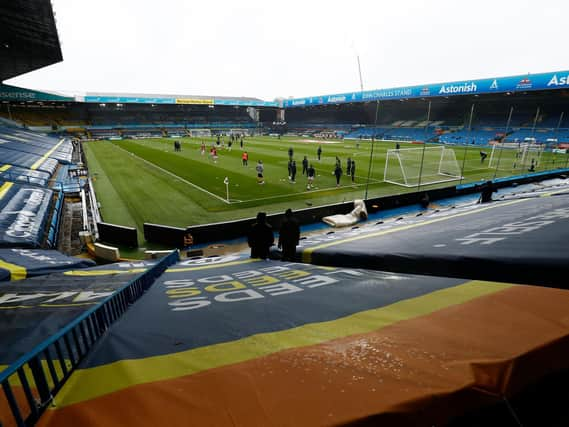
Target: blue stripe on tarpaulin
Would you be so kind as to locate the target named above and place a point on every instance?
(239, 298)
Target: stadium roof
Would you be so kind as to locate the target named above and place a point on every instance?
(178, 96)
(28, 37)
(511, 84)
(173, 99)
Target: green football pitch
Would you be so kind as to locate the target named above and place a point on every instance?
(146, 180)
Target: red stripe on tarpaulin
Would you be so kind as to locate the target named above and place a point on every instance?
(423, 370)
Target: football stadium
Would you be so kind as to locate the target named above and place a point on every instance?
(415, 272)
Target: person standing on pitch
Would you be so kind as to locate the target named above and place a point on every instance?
(348, 166)
(289, 236)
(311, 172)
(260, 237)
(289, 168)
(353, 171)
(245, 158)
(290, 153)
(260, 169)
(304, 165)
(319, 151)
(338, 173)
(293, 172)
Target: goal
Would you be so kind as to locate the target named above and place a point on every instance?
(515, 156)
(200, 132)
(425, 165)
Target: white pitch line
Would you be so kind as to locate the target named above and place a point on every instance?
(307, 192)
(197, 187)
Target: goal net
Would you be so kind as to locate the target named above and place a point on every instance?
(425, 165)
(515, 156)
(200, 132)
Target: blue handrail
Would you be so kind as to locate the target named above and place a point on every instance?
(68, 347)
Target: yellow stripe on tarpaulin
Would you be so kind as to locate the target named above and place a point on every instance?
(88, 273)
(307, 252)
(4, 189)
(17, 272)
(208, 266)
(46, 155)
(90, 383)
(5, 168)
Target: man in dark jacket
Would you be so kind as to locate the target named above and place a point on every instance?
(487, 190)
(338, 173)
(260, 237)
(304, 165)
(353, 170)
(293, 171)
(289, 235)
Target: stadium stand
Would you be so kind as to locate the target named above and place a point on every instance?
(22, 141)
(246, 342)
(517, 239)
(23, 175)
(19, 264)
(24, 212)
(416, 317)
(35, 308)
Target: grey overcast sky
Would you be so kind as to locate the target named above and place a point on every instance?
(269, 49)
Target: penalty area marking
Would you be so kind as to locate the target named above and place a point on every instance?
(185, 181)
(343, 186)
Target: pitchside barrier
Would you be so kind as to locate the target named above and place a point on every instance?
(176, 237)
(118, 234)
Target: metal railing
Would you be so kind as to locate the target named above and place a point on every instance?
(31, 382)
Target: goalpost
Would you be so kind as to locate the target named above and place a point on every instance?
(515, 155)
(426, 165)
(200, 132)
